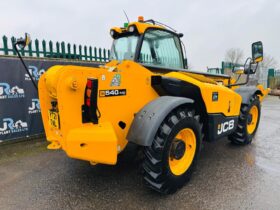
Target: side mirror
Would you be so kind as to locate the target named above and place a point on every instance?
(257, 52)
(23, 42)
(238, 70)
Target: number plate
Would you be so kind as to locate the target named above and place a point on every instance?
(54, 119)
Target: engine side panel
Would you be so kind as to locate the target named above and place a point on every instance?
(216, 104)
(216, 98)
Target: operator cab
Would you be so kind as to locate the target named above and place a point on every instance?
(149, 44)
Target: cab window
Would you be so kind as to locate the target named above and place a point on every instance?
(124, 48)
(161, 48)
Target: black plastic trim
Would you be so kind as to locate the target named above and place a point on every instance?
(220, 126)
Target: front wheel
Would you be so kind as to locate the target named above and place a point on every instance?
(170, 160)
(248, 122)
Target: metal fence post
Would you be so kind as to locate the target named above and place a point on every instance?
(5, 45)
(104, 55)
(44, 48)
(95, 54)
(57, 50)
(75, 51)
(51, 48)
(30, 49)
(108, 51)
(100, 54)
(13, 39)
(37, 48)
(85, 51)
(69, 51)
(90, 53)
(63, 49)
(80, 52)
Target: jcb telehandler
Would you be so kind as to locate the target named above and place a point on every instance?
(146, 96)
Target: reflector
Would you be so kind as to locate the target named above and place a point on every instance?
(88, 102)
(88, 93)
(89, 84)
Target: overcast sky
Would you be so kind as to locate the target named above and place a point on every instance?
(209, 27)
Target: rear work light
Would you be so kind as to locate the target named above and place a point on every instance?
(90, 109)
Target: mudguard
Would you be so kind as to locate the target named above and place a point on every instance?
(246, 92)
(148, 119)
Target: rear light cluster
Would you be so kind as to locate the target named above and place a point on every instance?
(88, 92)
(89, 109)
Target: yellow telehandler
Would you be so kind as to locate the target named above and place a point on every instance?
(146, 96)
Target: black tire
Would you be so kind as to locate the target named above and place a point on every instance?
(241, 135)
(156, 171)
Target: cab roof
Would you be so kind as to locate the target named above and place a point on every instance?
(140, 26)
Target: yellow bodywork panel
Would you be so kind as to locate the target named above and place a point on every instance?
(141, 27)
(51, 82)
(228, 103)
(93, 142)
(264, 92)
(57, 83)
(101, 143)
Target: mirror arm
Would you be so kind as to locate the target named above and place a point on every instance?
(256, 68)
(248, 74)
(24, 65)
(242, 83)
(257, 48)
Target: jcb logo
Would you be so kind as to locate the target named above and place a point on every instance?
(226, 126)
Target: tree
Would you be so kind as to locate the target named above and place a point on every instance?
(268, 62)
(234, 55)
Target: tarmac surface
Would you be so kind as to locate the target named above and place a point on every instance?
(227, 177)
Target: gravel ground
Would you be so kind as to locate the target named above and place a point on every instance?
(227, 177)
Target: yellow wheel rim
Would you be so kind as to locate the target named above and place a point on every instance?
(180, 166)
(251, 125)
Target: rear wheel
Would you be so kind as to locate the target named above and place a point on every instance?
(170, 160)
(248, 122)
